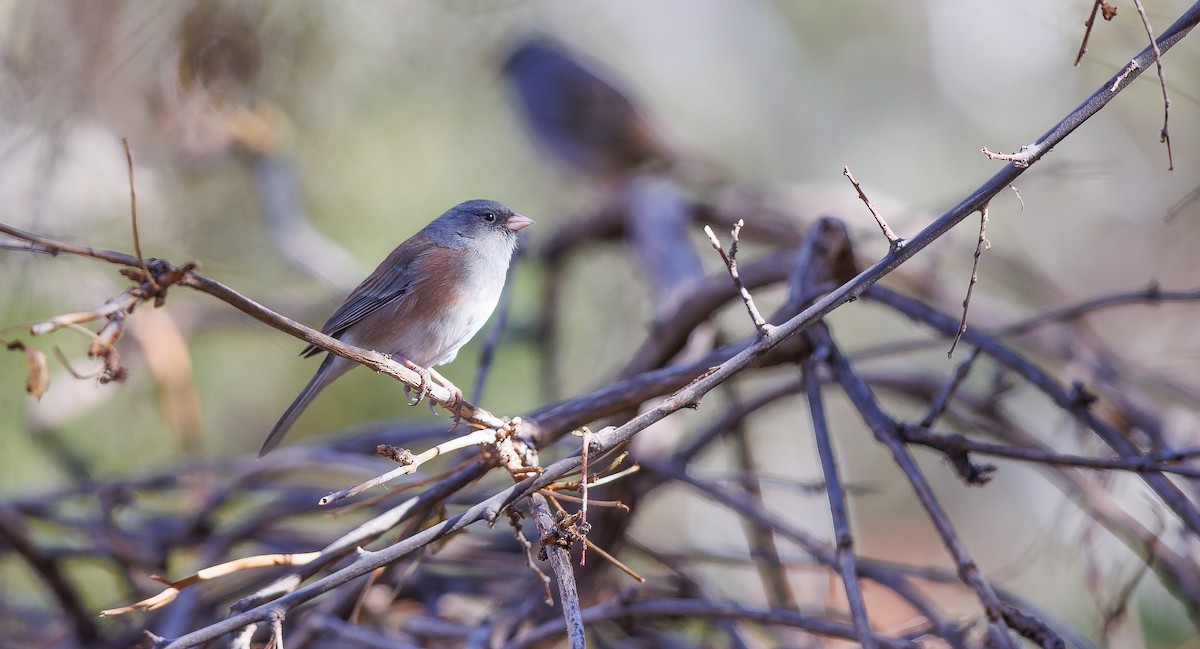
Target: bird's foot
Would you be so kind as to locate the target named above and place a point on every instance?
(456, 396)
(423, 387)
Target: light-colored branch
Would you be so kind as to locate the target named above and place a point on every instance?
(730, 259)
(411, 464)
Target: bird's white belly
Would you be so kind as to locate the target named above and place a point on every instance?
(452, 332)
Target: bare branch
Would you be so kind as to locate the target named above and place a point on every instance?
(887, 231)
(1165, 135)
(980, 245)
(730, 259)
(137, 242)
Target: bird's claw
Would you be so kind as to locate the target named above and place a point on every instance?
(422, 388)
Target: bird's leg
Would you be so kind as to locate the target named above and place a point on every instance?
(423, 388)
(456, 395)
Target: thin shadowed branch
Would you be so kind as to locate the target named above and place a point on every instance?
(887, 432)
(843, 541)
(1164, 134)
(980, 245)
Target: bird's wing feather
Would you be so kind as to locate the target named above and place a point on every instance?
(391, 281)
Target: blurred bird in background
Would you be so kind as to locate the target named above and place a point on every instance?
(577, 115)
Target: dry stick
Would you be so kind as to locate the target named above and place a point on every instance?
(411, 463)
(363, 534)
(1151, 295)
(346, 634)
(770, 567)
(137, 243)
(1087, 32)
(207, 574)
(850, 290)
(560, 562)
(1165, 136)
(696, 302)
(1031, 153)
(844, 542)
(955, 444)
(1061, 395)
(886, 431)
(730, 260)
(1177, 572)
(942, 399)
(981, 245)
(688, 608)
(819, 551)
(887, 231)
(489, 509)
(514, 520)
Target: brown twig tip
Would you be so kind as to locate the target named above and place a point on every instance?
(1107, 11)
(1164, 134)
(980, 245)
(730, 258)
(137, 243)
(894, 240)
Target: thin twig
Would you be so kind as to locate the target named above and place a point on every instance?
(887, 231)
(1087, 32)
(514, 520)
(1165, 135)
(887, 432)
(730, 260)
(955, 444)
(980, 245)
(939, 403)
(411, 463)
(705, 609)
(844, 541)
(1063, 396)
(761, 540)
(137, 243)
(560, 561)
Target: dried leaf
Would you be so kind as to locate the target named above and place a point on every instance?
(38, 379)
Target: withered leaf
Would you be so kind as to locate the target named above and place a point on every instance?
(37, 381)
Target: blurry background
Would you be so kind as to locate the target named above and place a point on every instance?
(389, 113)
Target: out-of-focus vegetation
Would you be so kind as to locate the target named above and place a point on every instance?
(390, 112)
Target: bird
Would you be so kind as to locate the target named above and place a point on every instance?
(576, 114)
(429, 297)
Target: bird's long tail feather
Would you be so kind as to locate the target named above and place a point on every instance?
(331, 368)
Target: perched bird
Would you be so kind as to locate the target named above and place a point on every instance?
(576, 114)
(424, 302)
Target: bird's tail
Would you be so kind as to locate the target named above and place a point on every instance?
(331, 368)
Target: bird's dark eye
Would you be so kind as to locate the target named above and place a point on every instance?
(489, 216)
